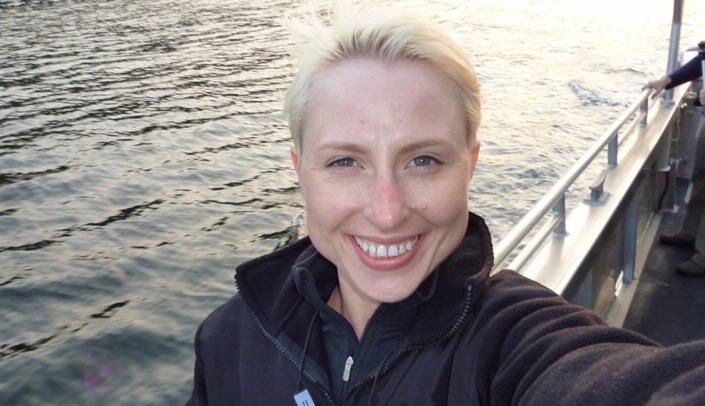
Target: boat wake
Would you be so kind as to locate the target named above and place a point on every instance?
(591, 96)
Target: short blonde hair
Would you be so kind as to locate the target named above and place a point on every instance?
(387, 33)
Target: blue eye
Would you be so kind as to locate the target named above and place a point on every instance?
(344, 162)
(424, 160)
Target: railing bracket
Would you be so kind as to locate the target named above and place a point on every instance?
(597, 195)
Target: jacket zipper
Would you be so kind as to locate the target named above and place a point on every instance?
(348, 367)
(466, 308)
(287, 355)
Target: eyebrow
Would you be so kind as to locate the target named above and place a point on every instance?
(358, 148)
(344, 146)
(420, 145)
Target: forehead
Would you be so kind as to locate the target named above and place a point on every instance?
(369, 76)
(371, 95)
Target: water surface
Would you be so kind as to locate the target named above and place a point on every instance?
(143, 156)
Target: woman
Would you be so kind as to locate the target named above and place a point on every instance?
(388, 301)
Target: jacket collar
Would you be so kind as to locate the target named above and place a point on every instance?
(267, 286)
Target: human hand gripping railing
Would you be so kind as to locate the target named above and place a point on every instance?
(555, 198)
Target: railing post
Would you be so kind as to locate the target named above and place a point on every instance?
(612, 151)
(583, 297)
(631, 225)
(644, 110)
(667, 98)
(559, 211)
(665, 185)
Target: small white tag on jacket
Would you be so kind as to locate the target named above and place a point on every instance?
(304, 399)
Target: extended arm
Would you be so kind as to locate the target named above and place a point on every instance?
(686, 73)
(556, 353)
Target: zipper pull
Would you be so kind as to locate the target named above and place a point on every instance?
(348, 367)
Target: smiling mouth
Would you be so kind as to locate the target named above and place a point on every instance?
(386, 251)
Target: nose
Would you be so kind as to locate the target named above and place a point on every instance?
(387, 206)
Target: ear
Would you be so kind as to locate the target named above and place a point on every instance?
(296, 161)
(295, 158)
(474, 155)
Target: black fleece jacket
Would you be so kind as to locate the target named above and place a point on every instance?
(474, 340)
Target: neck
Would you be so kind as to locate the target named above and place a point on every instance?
(357, 315)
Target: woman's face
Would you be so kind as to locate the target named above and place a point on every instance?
(384, 169)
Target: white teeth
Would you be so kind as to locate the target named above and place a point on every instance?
(384, 251)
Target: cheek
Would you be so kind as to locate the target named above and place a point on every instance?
(442, 198)
(328, 202)
(328, 213)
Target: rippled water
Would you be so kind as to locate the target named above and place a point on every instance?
(143, 156)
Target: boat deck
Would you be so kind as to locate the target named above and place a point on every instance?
(669, 307)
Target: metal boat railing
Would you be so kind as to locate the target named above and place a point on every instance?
(554, 199)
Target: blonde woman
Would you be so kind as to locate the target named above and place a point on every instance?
(389, 301)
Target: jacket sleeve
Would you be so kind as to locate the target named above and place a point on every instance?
(686, 73)
(198, 395)
(216, 378)
(555, 353)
